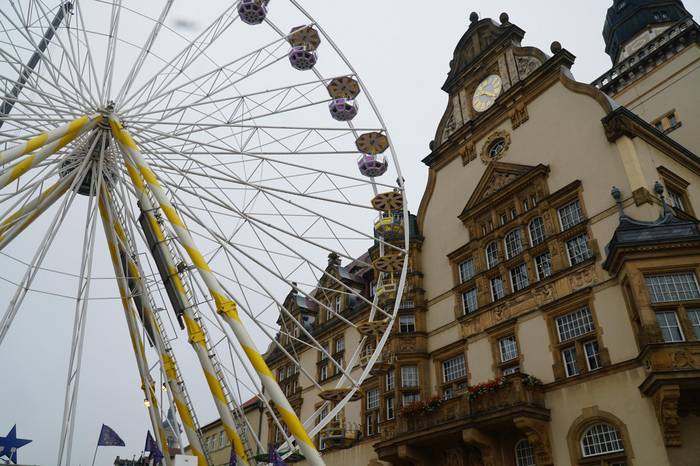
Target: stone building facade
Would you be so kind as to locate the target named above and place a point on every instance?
(552, 311)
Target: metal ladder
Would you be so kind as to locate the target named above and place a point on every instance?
(235, 409)
(164, 337)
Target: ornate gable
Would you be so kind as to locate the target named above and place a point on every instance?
(498, 175)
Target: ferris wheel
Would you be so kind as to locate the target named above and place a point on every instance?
(225, 159)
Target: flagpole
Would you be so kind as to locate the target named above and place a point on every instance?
(95, 455)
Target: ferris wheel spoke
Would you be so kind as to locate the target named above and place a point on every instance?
(69, 54)
(80, 315)
(111, 50)
(34, 266)
(51, 68)
(188, 55)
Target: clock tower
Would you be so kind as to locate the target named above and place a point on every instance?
(488, 62)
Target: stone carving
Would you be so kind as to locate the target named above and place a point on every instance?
(485, 157)
(526, 65)
(666, 405)
(583, 278)
(519, 115)
(683, 359)
(497, 182)
(453, 457)
(486, 445)
(545, 294)
(537, 433)
(450, 127)
(407, 345)
(467, 152)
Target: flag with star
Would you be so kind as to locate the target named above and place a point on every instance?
(152, 448)
(109, 438)
(10, 444)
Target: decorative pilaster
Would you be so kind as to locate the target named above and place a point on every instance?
(666, 406)
(486, 444)
(537, 433)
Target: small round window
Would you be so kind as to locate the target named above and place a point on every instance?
(497, 148)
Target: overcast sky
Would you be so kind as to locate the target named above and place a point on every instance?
(402, 50)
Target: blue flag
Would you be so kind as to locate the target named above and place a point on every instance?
(274, 458)
(109, 438)
(10, 444)
(152, 447)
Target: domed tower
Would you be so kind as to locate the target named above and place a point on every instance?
(630, 24)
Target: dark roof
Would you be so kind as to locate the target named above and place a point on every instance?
(667, 229)
(627, 18)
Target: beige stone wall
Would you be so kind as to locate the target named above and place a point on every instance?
(617, 394)
(673, 85)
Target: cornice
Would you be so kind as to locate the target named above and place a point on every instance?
(623, 122)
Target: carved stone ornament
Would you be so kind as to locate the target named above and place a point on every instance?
(453, 457)
(666, 405)
(467, 152)
(519, 115)
(486, 157)
(450, 127)
(486, 444)
(545, 294)
(497, 182)
(537, 433)
(526, 65)
(583, 278)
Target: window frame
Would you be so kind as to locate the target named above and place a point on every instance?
(580, 214)
(462, 278)
(417, 376)
(588, 250)
(516, 286)
(502, 288)
(410, 326)
(685, 303)
(475, 293)
(530, 230)
(491, 255)
(542, 276)
(513, 243)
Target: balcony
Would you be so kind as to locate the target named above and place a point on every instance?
(491, 405)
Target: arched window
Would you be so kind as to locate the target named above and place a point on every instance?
(601, 439)
(536, 228)
(514, 243)
(491, 254)
(524, 454)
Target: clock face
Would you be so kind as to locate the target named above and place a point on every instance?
(487, 92)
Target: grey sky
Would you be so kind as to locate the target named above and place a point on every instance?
(402, 50)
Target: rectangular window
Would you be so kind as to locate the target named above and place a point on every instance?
(340, 345)
(526, 206)
(390, 408)
(407, 324)
(578, 250)
(390, 380)
(454, 369)
(323, 373)
(448, 393)
(469, 302)
(510, 370)
(536, 229)
(668, 323)
(592, 354)
(497, 288)
(221, 439)
(504, 219)
(513, 213)
(338, 301)
(409, 376)
(371, 420)
(514, 243)
(372, 398)
(670, 287)
(508, 347)
(408, 398)
(676, 199)
(491, 254)
(570, 215)
(324, 352)
(569, 356)
(543, 265)
(518, 277)
(575, 324)
(694, 317)
(466, 270)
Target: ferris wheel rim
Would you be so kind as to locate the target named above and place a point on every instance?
(355, 384)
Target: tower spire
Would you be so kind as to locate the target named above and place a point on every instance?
(629, 24)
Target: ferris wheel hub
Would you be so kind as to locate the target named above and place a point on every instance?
(96, 148)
